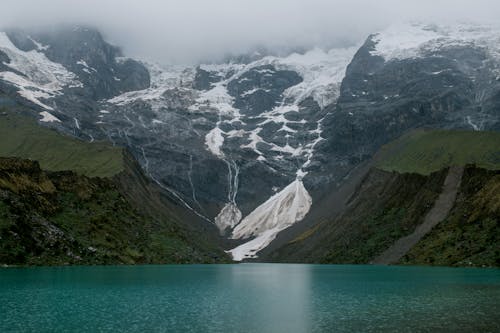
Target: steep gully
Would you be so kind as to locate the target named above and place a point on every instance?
(438, 213)
(321, 83)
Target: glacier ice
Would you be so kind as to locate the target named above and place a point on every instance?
(48, 117)
(42, 79)
(410, 40)
(279, 212)
(229, 216)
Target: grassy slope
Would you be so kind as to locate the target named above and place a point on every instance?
(384, 208)
(107, 219)
(22, 137)
(427, 151)
(62, 218)
(387, 207)
(471, 233)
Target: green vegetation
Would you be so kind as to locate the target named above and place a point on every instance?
(427, 151)
(470, 235)
(24, 138)
(384, 208)
(389, 205)
(65, 201)
(56, 218)
(379, 217)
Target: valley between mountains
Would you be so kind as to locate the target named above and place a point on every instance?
(318, 155)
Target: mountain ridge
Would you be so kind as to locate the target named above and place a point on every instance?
(238, 133)
(67, 217)
(387, 206)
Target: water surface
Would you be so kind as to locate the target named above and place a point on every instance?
(249, 298)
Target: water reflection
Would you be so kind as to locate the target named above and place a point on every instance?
(277, 300)
(249, 298)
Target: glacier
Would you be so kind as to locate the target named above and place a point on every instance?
(279, 212)
(210, 127)
(321, 72)
(40, 79)
(415, 39)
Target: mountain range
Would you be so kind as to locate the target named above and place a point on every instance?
(259, 152)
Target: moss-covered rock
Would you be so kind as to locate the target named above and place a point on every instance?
(55, 218)
(470, 235)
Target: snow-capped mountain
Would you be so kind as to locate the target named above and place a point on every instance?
(254, 124)
(251, 145)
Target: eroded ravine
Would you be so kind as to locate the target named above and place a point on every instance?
(438, 213)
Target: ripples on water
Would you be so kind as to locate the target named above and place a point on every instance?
(249, 298)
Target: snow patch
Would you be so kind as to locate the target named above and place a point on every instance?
(214, 141)
(48, 118)
(163, 78)
(279, 212)
(251, 248)
(42, 79)
(216, 99)
(86, 68)
(38, 45)
(321, 71)
(228, 217)
(254, 138)
(412, 40)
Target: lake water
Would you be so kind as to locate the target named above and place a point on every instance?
(249, 298)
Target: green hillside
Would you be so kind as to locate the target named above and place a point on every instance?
(22, 137)
(427, 151)
(65, 201)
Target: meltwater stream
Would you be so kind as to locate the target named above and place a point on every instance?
(249, 298)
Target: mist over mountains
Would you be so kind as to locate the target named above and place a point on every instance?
(257, 120)
(199, 31)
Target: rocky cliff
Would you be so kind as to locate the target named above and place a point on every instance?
(425, 212)
(252, 133)
(67, 217)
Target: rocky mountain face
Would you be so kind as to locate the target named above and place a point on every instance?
(426, 198)
(55, 218)
(408, 77)
(389, 206)
(253, 143)
(60, 196)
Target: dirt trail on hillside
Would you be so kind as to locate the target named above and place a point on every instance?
(439, 212)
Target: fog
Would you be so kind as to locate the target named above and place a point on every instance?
(191, 30)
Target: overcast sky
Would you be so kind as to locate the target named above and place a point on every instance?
(164, 30)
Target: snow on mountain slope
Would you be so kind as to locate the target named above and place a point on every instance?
(163, 79)
(402, 41)
(397, 42)
(36, 77)
(322, 73)
(279, 212)
(242, 138)
(48, 118)
(291, 144)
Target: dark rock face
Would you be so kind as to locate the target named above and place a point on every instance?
(55, 218)
(387, 206)
(261, 88)
(379, 100)
(367, 225)
(100, 73)
(21, 40)
(84, 52)
(4, 59)
(251, 123)
(203, 79)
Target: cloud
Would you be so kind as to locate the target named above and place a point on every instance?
(190, 30)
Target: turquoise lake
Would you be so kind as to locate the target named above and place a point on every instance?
(249, 298)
